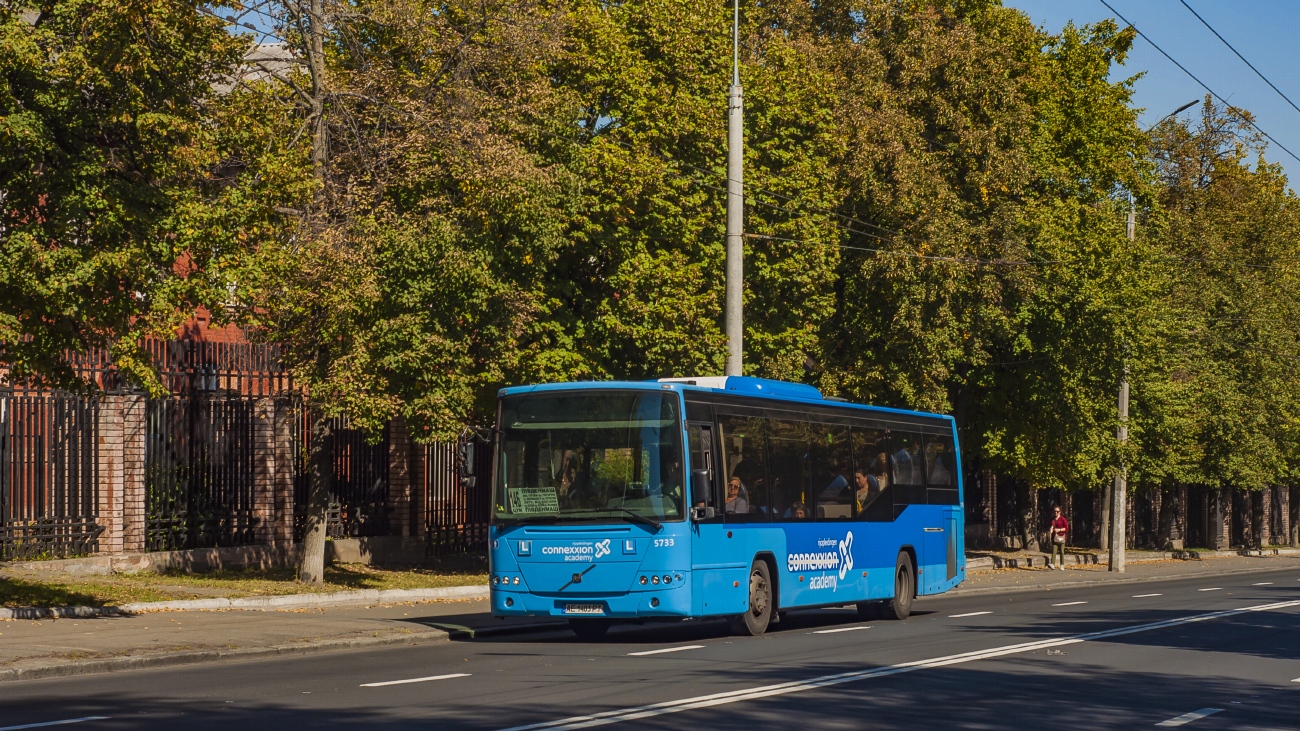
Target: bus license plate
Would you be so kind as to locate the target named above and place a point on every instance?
(584, 609)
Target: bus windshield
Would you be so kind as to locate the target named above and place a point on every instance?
(589, 455)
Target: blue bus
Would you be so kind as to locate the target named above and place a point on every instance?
(728, 497)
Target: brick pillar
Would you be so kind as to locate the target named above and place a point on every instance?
(264, 469)
(1266, 517)
(133, 487)
(399, 477)
(1178, 534)
(284, 466)
(111, 479)
(1285, 522)
(990, 503)
(419, 488)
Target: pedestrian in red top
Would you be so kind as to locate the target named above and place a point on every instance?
(1060, 527)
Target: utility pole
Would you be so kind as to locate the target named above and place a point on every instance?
(735, 209)
(1119, 496)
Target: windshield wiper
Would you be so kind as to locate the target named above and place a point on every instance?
(635, 516)
(531, 519)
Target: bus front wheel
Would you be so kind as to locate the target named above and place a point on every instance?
(904, 587)
(589, 629)
(754, 622)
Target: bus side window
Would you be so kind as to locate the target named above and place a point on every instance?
(832, 473)
(908, 470)
(940, 470)
(744, 448)
(788, 464)
(872, 479)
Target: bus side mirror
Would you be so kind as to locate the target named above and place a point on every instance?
(701, 487)
(701, 512)
(467, 477)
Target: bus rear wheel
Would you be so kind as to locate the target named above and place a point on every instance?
(754, 622)
(589, 630)
(904, 588)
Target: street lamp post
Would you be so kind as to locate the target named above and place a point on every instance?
(735, 209)
(1119, 495)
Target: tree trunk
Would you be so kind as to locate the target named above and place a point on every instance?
(312, 569)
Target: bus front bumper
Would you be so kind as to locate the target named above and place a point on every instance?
(667, 602)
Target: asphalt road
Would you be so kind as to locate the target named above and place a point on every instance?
(1112, 656)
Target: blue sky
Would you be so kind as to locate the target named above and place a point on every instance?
(1264, 31)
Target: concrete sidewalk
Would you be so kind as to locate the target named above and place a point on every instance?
(62, 647)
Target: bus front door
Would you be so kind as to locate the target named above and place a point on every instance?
(714, 577)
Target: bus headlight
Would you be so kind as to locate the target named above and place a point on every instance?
(496, 580)
(654, 580)
(516, 581)
(667, 579)
(643, 580)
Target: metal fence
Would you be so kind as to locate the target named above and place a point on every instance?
(199, 468)
(358, 481)
(456, 514)
(195, 367)
(48, 475)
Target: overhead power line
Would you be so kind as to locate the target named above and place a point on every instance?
(1193, 76)
(1258, 73)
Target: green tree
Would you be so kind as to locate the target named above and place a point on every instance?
(106, 155)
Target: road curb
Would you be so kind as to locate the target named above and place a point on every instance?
(988, 563)
(1099, 582)
(254, 603)
(134, 662)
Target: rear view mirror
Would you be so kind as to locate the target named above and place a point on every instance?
(467, 477)
(701, 494)
(702, 513)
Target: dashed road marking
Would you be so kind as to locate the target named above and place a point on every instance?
(1068, 604)
(967, 614)
(666, 649)
(839, 629)
(1212, 588)
(637, 713)
(64, 722)
(1263, 583)
(1189, 717)
(1144, 596)
(415, 680)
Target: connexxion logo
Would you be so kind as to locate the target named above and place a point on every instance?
(829, 560)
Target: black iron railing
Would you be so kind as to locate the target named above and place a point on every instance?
(49, 475)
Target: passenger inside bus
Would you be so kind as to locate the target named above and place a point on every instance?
(737, 500)
(868, 488)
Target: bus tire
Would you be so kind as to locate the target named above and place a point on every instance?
(904, 588)
(589, 630)
(755, 621)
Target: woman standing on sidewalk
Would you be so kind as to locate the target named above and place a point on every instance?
(1060, 527)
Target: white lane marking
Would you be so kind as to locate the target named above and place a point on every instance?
(410, 680)
(54, 723)
(1068, 604)
(1144, 596)
(967, 614)
(1189, 717)
(1263, 583)
(841, 629)
(717, 699)
(1297, 680)
(1212, 588)
(666, 649)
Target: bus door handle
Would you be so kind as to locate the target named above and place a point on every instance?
(934, 530)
